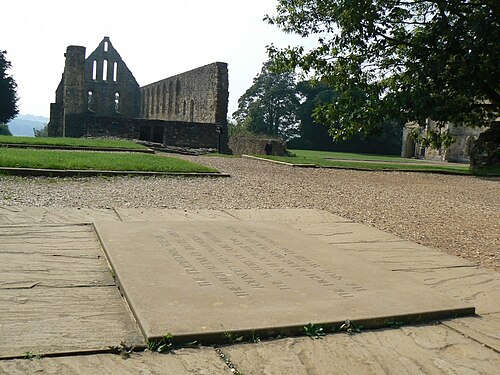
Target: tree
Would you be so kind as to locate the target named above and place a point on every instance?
(42, 132)
(269, 105)
(4, 129)
(314, 135)
(8, 92)
(407, 60)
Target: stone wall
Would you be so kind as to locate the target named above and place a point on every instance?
(199, 95)
(190, 108)
(110, 87)
(170, 133)
(459, 151)
(245, 145)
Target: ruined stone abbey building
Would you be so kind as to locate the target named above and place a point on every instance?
(99, 96)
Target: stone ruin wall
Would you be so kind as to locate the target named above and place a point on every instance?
(199, 95)
(110, 87)
(459, 151)
(99, 96)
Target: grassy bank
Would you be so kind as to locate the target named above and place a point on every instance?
(87, 160)
(70, 142)
(368, 162)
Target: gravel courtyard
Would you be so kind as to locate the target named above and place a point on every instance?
(459, 215)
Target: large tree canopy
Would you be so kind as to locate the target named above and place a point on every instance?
(407, 60)
(8, 91)
(269, 106)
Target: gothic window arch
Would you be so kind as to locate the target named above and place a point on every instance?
(170, 96)
(90, 100)
(191, 110)
(164, 101)
(177, 94)
(94, 70)
(117, 102)
(158, 99)
(105, 70)
(152, 103)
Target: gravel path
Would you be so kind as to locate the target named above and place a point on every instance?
(459, 215)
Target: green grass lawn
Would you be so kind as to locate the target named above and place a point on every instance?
(367, 162)
(70, 142)
(85, 160)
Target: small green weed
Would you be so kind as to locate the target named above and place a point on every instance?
(395, 323)
(314, 331)
(350, 327)
(123, 350)
(165, 344)
(31, 355)
(254, 337)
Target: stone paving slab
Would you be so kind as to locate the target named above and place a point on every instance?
(409, 350)
(61, 320)
(161, 214)
(57, 294)
(345, 232)
(402, 255)
(21, 215)
(484, 329)
(473, 285)
(197, 280)
(22, 271)
(185, 361)
(297, 215)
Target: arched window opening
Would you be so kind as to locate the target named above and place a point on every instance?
(115, 71)
(117, 101)
(170, 96)
(158, 99)
(106, 46)
(164, 101)
(146, 103)
(90, 100)
(468, 146)
(191, 110)
(152, 103)
(94, 70)
(105, 70)
(184, 108)
(177, 94)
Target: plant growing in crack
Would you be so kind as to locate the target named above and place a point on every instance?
(231, 337)
(123, 350)
(165, 344)
(314, 331)
(254, 337)
(31, 355)
(350, 327)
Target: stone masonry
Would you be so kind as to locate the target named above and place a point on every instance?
(99, 96)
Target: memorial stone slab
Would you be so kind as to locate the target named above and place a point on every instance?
(197, 280)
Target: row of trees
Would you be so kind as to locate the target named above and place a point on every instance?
(377, 66)
(279, 105)
(399, 60)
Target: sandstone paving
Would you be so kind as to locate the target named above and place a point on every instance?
(57, 321)
(474, 285)
(203, 361)
(484, 329)
(433, 349)
(288, 216)
(197, 280)
(21, 215)
(57, 294)
(162, 214)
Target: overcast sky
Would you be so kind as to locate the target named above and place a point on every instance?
(156, 39)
